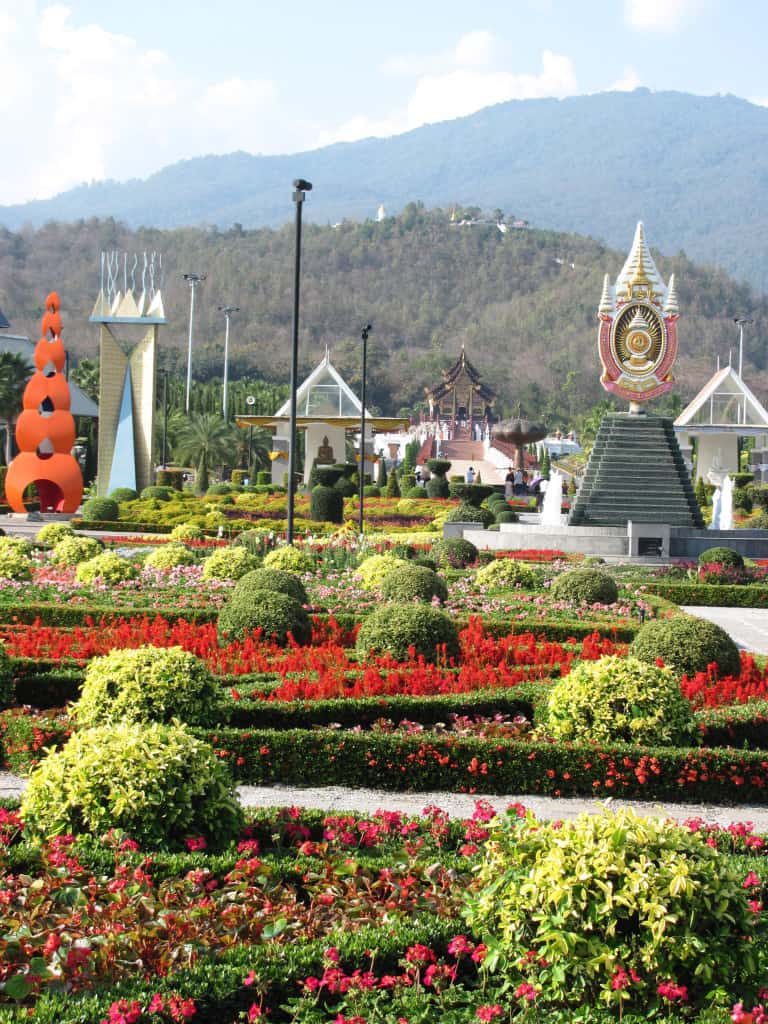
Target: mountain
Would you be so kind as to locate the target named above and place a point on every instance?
(694, 168)
(523, 303)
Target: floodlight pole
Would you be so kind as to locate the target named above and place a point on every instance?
(227, 311)
(193, 280)
(300, 187)
(741, 321)
(165, 417)
(364, 336)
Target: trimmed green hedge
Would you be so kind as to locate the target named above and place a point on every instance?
(726, 596)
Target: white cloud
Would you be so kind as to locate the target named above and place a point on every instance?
(105, 106)
(629, 80)
(475, 48)
(660, 15)
(463, 90)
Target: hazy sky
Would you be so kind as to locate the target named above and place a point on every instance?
(92, 90)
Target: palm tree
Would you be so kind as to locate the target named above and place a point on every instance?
(15, 371)
(86, 376)
(205, 442)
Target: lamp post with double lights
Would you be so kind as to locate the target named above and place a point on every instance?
(742, 321)
(364, 337)
(227, 311)
(300, 187)
(193, 280)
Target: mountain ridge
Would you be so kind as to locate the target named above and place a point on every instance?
(694, 168)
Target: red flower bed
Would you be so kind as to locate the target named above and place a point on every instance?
(705, 690)
(533, 554)
(323, 669)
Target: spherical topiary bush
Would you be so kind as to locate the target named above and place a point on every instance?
(275, 614)
(50, 534)
(278, 580)
(507, 515)
(454, 553)
(289, 558)
(466, 513)
(123, 494)
(413, 583)
(687, 644)
(326, 504)
(371, 491)
(107, 567)
(101, 510)
(395, 628)
(216, 489)
(619, 700)
(427, 562)
(168, 556)
(721, 556)
(228, 564)
(506, 573)
(610, 891)
(158, 783)
(147, 684)
(187, 531)
(15, 563)
(374, 568)
(73, 549)
(589, 585)
(158, 493)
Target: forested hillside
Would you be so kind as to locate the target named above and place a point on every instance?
(695, 168)
(523, 303)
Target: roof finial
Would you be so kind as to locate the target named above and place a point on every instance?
(606, 299)
(670, 305)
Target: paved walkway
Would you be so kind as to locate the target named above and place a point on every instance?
(459, 805)
(747, 626)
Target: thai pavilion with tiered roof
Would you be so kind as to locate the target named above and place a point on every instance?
(461, 396)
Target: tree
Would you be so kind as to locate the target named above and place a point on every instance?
(205, 442)
(86, 376)
(15, 371)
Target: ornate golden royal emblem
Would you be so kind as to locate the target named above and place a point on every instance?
(638, 328)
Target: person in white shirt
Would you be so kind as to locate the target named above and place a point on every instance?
(470, 475)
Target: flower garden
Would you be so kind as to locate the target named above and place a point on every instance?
(143, 678)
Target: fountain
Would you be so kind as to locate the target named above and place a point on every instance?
(553, 501)
(714, 523)
(726, 504)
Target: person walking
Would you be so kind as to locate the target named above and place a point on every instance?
(509, 483)
(470, 475)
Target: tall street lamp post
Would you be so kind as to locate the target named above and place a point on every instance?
(165, 418)
(742, 322)
(193, 280)
(250, 401)
(227, 311)
(364, 336)
(300, 187)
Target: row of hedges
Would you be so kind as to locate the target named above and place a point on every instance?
(432, 761)
(558, 630)
(726, 596)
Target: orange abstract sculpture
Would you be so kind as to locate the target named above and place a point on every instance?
(45, 431)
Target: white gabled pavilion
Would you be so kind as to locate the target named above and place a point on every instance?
(723, 411)
(326, 409)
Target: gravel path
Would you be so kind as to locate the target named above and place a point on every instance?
(458, 805)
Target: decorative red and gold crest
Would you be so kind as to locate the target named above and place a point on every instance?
(637, 339)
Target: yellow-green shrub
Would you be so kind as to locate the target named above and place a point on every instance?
(187, 531)
(168, 556)
(50, 534)
(289, 558)
(613, 891)
(158, 783)
(147, 684)
(107, 567)
(374, 568)
(15, 563)
(229, 563)
(505, 573)
(620, 700)
(73, 549)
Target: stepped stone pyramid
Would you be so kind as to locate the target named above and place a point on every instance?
(636, 472)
